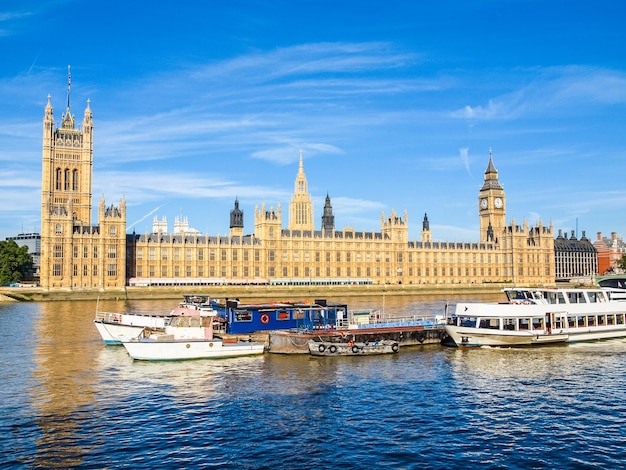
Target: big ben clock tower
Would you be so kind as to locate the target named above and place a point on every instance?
(491, 205)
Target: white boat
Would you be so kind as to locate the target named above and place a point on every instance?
(352, 348)
(535, 316)
(187, 337)
(114, 327)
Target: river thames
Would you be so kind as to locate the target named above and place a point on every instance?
(69, 401)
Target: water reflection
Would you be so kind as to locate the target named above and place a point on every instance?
(65, 378)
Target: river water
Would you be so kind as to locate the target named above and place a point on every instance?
(69, 401)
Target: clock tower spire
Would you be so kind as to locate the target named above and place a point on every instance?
(491, 205)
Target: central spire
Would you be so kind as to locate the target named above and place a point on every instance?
(301, 207)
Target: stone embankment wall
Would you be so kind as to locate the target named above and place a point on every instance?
(6, 298)
(246, 293)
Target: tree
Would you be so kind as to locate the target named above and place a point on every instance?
(621, 263)
(16, 263)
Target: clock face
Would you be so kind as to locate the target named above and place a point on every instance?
(483, 203)
(498, 202)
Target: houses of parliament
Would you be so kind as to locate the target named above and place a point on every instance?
(75, 254)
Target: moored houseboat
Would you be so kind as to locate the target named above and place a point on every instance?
(244, 318)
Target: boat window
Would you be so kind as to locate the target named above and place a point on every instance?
(591, 320)
(558, 322)
(469, 322)
(610, 319)
(491, 323)
(592, 297)
(298, 314)
(619, 318)
(601, 320)
(537, 323)
(282, 315)
(187, 322)
(517, 295)
(581, 321)
(552, 297)
(508, 323)
(524, 324)
(571, 322)
(560, 298)
(243, 315)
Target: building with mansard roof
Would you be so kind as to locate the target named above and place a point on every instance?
(574, 258)
(76, 254)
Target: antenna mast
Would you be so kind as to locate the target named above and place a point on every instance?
(68, 87)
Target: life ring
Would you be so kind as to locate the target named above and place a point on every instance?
(355, 349)
(332, 349)
(265, 318)
(350, 343)
(395, 347)
(321, 348)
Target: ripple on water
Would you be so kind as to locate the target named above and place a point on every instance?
(67, 400)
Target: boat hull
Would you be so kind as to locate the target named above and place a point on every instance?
(317, 348)
(468, 337)
(178, 350)
(117, 333)
(294, 342)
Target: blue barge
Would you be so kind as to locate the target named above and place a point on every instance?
(318, 315)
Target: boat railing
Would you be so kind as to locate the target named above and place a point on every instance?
(108, 317)
(376, 319)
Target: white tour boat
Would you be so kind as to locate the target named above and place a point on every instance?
(187, 337)
(115, 327)
(535, 316)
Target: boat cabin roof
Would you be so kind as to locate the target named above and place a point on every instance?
(546, 295)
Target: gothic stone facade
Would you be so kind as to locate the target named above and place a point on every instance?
(76, 254)
(505, 253)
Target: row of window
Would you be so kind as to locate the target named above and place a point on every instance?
(57, 251)
(164, 254)
(64, 179)
(57, 270)
(575, 321)
(306, 272)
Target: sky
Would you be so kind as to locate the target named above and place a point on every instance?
(394, 106)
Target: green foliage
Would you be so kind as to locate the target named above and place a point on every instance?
(16, 263)
(622, 262)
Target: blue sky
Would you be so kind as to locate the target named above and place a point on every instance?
(394, 105)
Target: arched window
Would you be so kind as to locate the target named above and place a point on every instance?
(75, 180)
(67, 179)
(57, 181)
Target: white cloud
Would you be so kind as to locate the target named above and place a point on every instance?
(555, 90)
